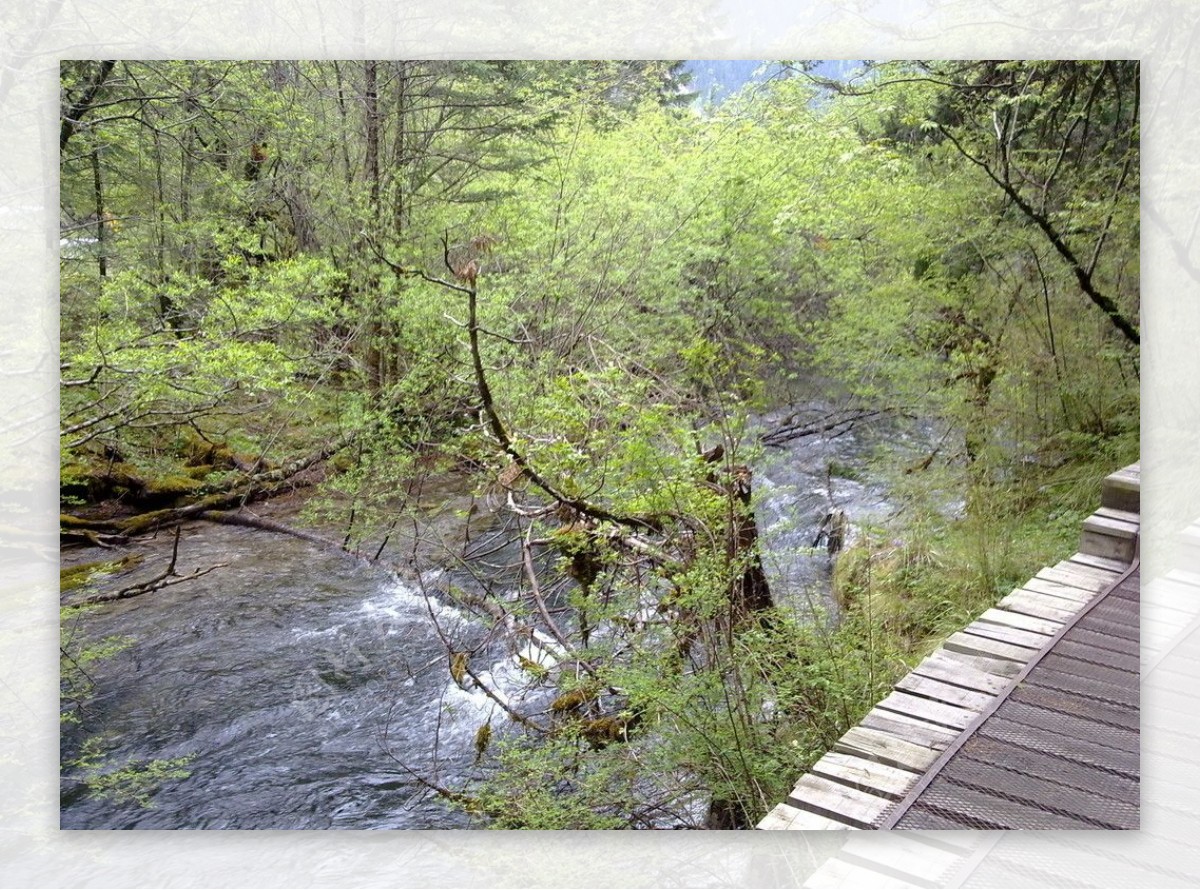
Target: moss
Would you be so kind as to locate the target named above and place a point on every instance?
(169, 487)
(74, 480)
(75, 577)
(143, 523)
(459, 662)
(198, 453)
(538, 671)
(840, 470)
(573, 699)
(584, 559)
(604, 730)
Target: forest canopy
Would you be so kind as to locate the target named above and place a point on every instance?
(593, 298)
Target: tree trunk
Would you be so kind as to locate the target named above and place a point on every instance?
(725, 815)
(101, 227)
(73, 116)
(374, 328)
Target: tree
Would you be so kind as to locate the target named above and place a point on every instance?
(1060, 140)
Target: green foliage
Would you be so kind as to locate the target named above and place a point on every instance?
(137, 780)
(922, 579)
(740, 730)
(133, 782)
(75, 657)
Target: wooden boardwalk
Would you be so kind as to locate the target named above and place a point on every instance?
(1026, 718)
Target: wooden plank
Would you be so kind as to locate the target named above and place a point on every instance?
(839, 873)
(1100, 562)
(1072, 703)
(1043, 794)
(1026, 602)
(1110, 623)
(1010, 635)
(1131, 516)
(865, 775)
(1162, 607)
(1173, 592)
(1076, 729)
(905, 852)
(881, 747)
(1023, 622)
(1115, 615)
(1155, 640)
(934, 712)
(1160, 625)
(1075, 575)
(1131, 475)
(1036, 737)
(942, 666)
(1107, 545)
(1183, 576)
(788, 818)
(973, 645)
(1190, 536)
(1074, 578)
(1016, 759)
(1117, 528)
(1123, 499)
(1105, 657)
(910, 729)
(928, 687)
(982, 663)
(961, 844)
(839, 802)
(1061, 591)
(1122, 490)
(1057, 661)
(1090, 571)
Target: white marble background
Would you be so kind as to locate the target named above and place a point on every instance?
(36, 34)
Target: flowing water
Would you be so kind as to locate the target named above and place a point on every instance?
(300, 681)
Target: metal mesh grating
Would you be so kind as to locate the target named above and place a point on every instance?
(1062, 752)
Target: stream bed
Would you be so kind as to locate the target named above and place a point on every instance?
(299, 681)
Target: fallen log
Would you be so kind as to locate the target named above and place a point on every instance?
(118, 531)
(837, 422)
(249, 520)
(167, 578)
(238, 491)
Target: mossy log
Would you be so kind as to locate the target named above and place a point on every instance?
(101, 480)
(124, 528)
(236, 491)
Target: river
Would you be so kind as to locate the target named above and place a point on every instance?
(296, 678)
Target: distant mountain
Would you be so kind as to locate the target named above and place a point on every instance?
(715, 80)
